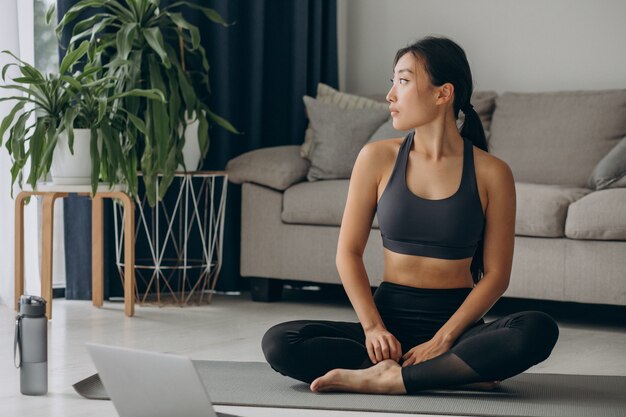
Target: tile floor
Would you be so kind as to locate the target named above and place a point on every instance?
(592, 341)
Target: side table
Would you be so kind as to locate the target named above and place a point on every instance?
(181, 234)
(50, 193)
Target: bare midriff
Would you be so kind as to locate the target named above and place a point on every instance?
(424, 272)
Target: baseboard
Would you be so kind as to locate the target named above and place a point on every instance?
(58, 292)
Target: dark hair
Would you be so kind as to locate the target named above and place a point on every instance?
(445, 62)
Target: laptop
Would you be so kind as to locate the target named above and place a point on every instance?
(149, 384)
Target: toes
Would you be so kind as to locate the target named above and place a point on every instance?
(314, 385)
(321, 383)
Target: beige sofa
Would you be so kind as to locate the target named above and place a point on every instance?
(570, 240)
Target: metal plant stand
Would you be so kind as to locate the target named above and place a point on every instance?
(181, 240)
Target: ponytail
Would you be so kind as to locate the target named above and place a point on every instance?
(473, 130)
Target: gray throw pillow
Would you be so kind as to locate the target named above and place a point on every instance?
(338, 136)
(610, 172)
(557, 137)
(327, 94)
(277, 167)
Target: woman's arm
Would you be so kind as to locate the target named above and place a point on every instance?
(498, 258)
(353, 235)
(497, 255)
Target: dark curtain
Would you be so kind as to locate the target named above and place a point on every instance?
(260, 67)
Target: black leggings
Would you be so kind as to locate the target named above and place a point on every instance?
(307, 349)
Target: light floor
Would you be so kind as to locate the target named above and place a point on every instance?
(592, 341)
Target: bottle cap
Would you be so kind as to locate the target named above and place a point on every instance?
(31, 305)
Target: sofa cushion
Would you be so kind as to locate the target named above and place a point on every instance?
(557, 137)
(611, 169)
(339, 135)
(541, 209)
(276, 167)
(327, 94)
(600, 215)
(319, 202)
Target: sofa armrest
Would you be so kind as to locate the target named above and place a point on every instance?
(278, 167)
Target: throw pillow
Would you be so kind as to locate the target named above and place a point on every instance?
(557, 137)
(610, 172)
(327, 94)
(338, 136)
(277, 167)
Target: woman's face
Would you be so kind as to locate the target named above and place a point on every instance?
(412, 97)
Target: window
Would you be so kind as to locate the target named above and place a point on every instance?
(46, 45)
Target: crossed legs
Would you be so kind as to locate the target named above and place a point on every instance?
(332, 355)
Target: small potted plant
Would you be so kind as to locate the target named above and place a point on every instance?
(145, 47)
(77, 134)
(46, 99)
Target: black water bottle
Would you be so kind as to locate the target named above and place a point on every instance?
(31, 345)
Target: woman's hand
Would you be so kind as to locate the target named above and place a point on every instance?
(425, 351)
(382, 345)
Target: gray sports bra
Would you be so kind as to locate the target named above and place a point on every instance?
(448, 228)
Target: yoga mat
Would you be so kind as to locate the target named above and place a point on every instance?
(255, 384)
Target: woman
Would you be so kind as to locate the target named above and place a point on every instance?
(446, 211)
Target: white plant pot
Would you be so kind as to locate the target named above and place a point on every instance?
(191, 148)
(68, 169)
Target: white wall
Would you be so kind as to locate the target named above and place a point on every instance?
(511, 45)
(16, 35)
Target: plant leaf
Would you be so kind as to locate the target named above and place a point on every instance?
(137, 122)
(180, 21)
(68, 123)
(102, 109)
(155, 40)
(169, 171)
(71, 81)
(89, 22)
(95, 159)
(50, 12)
(186, 89)
(210, 13)
(71, 57)
(159, 115)
(222, 122)
(152, 94)
(36, 145)
(203, 134)
(125, 38)
(6, 122)
(75, 11)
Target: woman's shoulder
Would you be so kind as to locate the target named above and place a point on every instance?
(376, 158)
(381, 150)
(493, 170)
(489, 163)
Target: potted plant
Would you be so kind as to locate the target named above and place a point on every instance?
(48, 98)
(97, 108)
(78, 126)
(145, 47)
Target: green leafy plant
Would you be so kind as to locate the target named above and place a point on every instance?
(145, 47)
(46, 98)
(85, 99)
(97, 107)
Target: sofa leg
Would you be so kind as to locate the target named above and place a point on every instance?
(266, 289)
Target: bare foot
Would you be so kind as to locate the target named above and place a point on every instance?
(383, 378)
(482, 386)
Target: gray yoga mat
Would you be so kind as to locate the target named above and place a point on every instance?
(255, 384)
